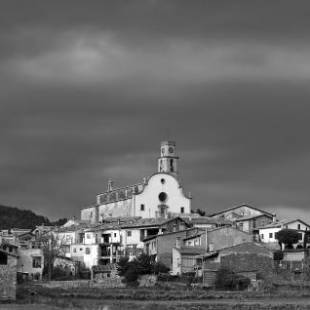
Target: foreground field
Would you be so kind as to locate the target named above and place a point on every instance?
(163, 297)
(78, 304)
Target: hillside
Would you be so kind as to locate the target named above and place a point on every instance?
(13, 217)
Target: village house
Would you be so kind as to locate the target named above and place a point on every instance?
(104, 243)
(8, 271)
(267, 234)
(246, 217)
(160, 246)
(30, 256)
(184, 254)
(246, 259)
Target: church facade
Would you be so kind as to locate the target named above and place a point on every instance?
(159, 196)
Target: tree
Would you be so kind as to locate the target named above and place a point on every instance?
(144, 264)
(288, 237)
(122, 266)
(201, 212)
(51, 249)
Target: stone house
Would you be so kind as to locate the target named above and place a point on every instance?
(8, 274)
(246, 217)
(184, 254)
(217, 238)
(30, 263)
(160, 246)
(246, 258)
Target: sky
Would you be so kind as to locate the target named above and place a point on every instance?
(88, 89)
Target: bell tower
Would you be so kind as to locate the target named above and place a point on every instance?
(168, 161)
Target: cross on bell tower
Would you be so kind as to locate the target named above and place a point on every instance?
(168, 161)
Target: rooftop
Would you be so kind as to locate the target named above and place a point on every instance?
(243, 205)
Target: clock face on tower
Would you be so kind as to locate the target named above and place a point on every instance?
(170, 150)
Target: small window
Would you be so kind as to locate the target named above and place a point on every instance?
(114, 235)
(128, 233)
(262, 236)
(74, 250)
(298, 226)
(270, 235)
(142, 207)
(3, 258)
(36, 262)
(88, 236)
(87, 251)
(81, 249)
(182, 209)
(162, 181)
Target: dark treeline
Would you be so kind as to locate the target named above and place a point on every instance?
(11, 217)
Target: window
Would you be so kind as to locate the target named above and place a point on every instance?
(3, 258)
(36, 262)
(128, 233)
(88, 236)
(114, 235)
(87, 251)
(262, 236)
(74, 250)
(270, 235)
(171, 165)
(298, 226)
(142, 207)
(81, 249)
(162, 197)
(182, 209)
(162, 181)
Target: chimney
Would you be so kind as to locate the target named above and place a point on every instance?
(178, 243)
(110, 185)
(274, 218)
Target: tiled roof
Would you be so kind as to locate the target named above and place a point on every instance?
(250, 217)
(282, 223)
(209, 220)
(192, 250)
(236, 207)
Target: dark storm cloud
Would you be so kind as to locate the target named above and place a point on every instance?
(88, 91)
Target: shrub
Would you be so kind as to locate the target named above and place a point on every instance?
(227, 279)
(278, 255)
(144, 264)
(122, 266)
(160, 268)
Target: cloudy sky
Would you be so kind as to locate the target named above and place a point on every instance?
(88, 89)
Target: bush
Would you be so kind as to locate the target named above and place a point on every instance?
(122, 266)
(278, 255)
(160, 268)
(227, 279)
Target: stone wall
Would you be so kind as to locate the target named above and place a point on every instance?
(8, 279)
(248, 262)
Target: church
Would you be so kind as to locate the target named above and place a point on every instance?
(159, 196)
